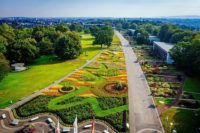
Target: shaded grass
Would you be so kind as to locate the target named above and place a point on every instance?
(184, 121)
(192, 85)
(44, 71)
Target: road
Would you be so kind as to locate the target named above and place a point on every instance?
(26, 99)
(6, 127)
(143, 115)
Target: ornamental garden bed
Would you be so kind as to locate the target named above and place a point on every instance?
(161, 78)
(87, 92)
(83, 111)
(164, 89)
(116, 88)
(159, 69)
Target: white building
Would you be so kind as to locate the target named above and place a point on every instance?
(153, 39)
(131, 31)
(18, 67)
(163, 50)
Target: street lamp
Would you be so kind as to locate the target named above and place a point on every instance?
(171, 124)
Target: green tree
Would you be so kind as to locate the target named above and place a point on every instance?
(23, 33)
(7, 32)
(62, 27)
(181, 54)
(2, 48)
(54, 35)
(3, 44)
(166, 31)
(45, 46)
(76, 27)
(104, 36)
(181, 36)
(68, 46)
(141, 36)
(94, 29)
(4, 66)
(22, 51)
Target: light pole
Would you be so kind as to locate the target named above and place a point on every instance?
(171, 124)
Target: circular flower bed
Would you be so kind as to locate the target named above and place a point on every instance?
(116, 88)
(67, 89)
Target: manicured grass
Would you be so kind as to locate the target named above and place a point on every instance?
(192, 85)
(42, 73)
(184, 121)
(116, 40)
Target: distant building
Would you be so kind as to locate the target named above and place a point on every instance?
(153, 39)
(163, 50)
(131, 32)
(18, 67)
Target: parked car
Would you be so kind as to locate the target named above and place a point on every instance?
(105, 131)
(35, 118)
(15, 122)
(87, 126)
(3, 116)
(49, 120)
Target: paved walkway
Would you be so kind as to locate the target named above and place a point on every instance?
(143, 116)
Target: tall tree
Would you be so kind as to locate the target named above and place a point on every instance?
(22, 51)
(104, 36)
(4, 66)
(76, 27)
(68, 46)
(62, 27)
(45, 46)
(7, 32)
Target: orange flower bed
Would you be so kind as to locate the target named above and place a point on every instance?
(86, 93)
(54, 88)
(121, 72)
(83, 84)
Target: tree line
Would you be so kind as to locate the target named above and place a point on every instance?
(186, 50)
(26, 44)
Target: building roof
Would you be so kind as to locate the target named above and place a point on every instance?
(18, 65)
(132, 30)
(153, 37)
(165, 46)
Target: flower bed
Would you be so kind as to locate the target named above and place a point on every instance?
(164, 89)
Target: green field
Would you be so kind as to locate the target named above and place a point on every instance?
(184, 121)
(42, 73)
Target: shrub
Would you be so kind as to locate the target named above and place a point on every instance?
(119, 86)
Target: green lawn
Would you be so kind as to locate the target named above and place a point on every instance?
(184, 121)
(192, 85)
(42, 73)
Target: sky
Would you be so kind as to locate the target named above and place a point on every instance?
(98, 8)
